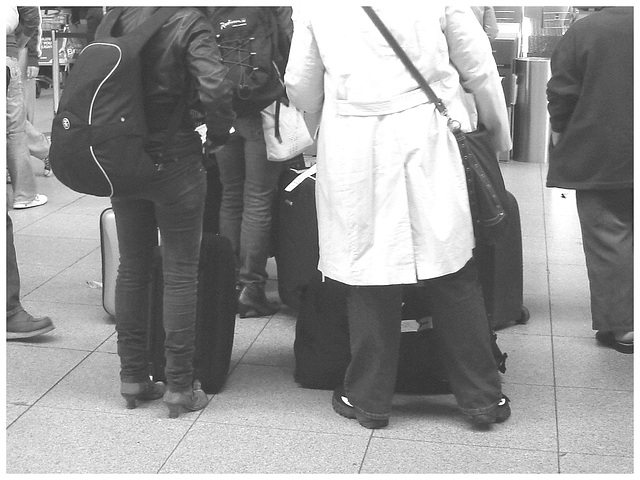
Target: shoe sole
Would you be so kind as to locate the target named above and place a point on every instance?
(34, 333)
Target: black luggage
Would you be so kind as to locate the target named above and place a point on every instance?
(500, 272)
(297, 234)
(215, 315)
(321, 345)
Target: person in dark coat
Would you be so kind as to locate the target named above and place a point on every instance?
(590, 103)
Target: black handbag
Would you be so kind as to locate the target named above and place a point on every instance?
(487, 192)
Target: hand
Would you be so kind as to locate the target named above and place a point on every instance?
(555, 138)
(32, 72)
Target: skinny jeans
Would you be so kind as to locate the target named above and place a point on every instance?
(606, 220)
(459, 321)
(249, 188)
(172, 202)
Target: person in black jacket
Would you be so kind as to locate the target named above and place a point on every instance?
(590, 97)
(182, 70)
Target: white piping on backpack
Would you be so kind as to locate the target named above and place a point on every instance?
(93, 101)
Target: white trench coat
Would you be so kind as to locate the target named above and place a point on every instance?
(391, 192)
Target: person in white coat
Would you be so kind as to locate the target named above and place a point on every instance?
(392, 201)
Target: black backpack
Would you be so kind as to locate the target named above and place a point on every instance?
(248, 41)
(99, 132)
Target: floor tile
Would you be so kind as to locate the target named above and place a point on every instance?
(582, 362)
(33, 369)
(274, 346)
(57, 440)
(390, 456)
(267, 396)
(225, 449)
(51, 251)
(571, 316)
(567, 252)
(534, 250)
(65, 226)
(535, 279)
(574, 463)
(85, 327)
(72, 286)
(14, 411)
(529, 361)
(595, 421)
(94, 385)
(568, 280)
(538, 323)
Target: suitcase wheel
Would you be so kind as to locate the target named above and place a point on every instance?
(524, 317)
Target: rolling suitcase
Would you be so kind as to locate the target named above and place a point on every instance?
(110, 255)
(297, 234)
(215, 315)
(322, 351)
(500, 272)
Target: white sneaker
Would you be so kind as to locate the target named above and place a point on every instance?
(36, 202)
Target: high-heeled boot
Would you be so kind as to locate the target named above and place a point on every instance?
(252, 302)
(191, 400)
(132, 392)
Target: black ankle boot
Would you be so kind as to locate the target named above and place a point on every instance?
(252, 302)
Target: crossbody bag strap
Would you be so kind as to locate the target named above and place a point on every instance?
(391, 40)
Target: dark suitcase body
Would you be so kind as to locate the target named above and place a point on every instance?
(215, 315)
(297, 235)
(500, 271)
(321, 345)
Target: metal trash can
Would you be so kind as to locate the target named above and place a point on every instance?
(531, 128)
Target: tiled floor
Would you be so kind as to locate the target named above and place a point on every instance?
(572, 399)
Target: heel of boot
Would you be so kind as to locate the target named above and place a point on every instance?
(131, 400)
(174, 410)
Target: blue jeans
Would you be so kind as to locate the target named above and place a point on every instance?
(23, 180)
(249, 188)
(173, 202)
(459, 320)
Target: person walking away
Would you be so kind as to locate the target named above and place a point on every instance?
(392, 201)
(181, 70)
(249, 180)
(590, 103)
(23, 181)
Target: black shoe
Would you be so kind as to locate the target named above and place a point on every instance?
(252, 302)
(499, 415)
(342, 407)
(607, 339)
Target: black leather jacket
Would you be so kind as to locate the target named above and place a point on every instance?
(181, 63)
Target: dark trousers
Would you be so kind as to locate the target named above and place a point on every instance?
(606, 219)
(173, 202)
(460, 321)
